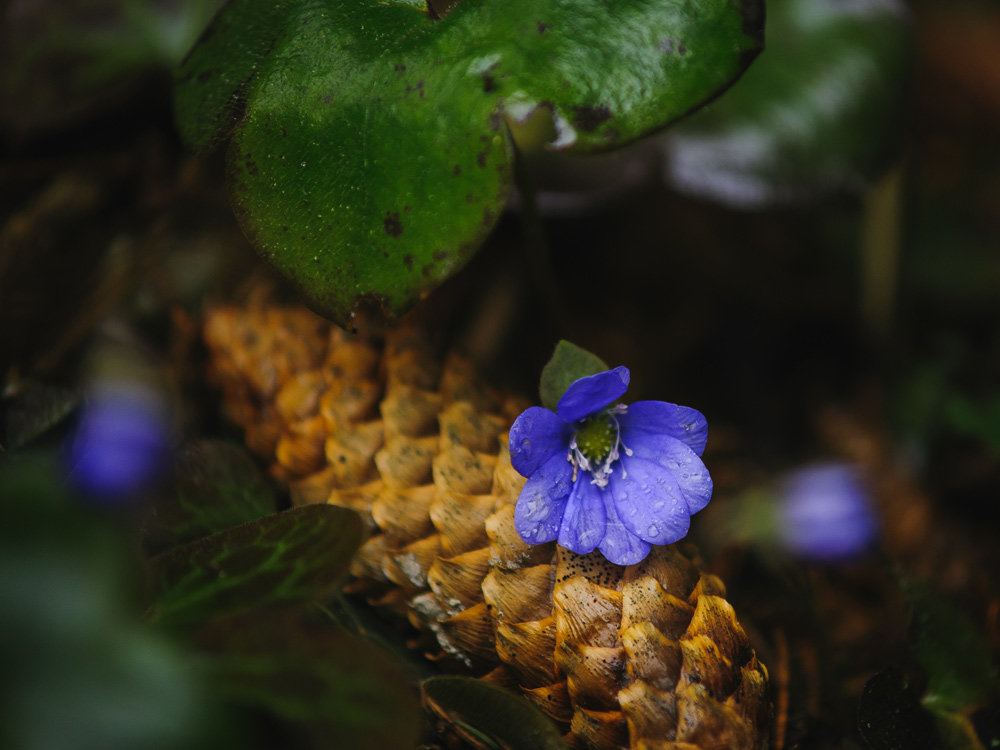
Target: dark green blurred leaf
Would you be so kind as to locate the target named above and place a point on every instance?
(367, 622)
(298, 555)
(567, 364)
(34, 409)
(957, 732)
(953, 653)
(487, 715)
(217, 486)
(58, 57)
(80, 670)
(369, 156)
(338, 690)
(890, 716)
(819, 111)
(977, 420)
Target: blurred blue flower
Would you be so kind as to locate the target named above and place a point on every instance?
(610, 477)
(121, 443)
(825, 513)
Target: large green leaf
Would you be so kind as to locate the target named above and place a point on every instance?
(333, 689)
(819, 111)
(369, 155)
(297, 555)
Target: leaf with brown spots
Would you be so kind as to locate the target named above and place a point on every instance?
(343, 114)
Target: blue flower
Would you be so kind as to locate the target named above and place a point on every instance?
(122, 442)
(610, 477)
(825, 513)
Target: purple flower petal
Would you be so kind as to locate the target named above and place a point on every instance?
(670, 453)
(592, 393)
(584, 518)
(537, 435)
(682, 422)
(826, 514)
(620, 545)
(649, 501)
(540, 507)
(121, 444)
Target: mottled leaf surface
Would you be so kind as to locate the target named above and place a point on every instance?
(819, 111)
(32, 410)
(297, 555)
(486, 715)
(368, 153)
(567, 364)
(217, 485)
(335, 690)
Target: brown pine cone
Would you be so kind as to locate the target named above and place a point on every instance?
(643, 656)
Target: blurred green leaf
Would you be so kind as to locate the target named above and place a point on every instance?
(567, 364)
(34, 409)
(369, 156)
(819, 111)
(890, 716)
(957, 732)
(367, 622)
(953, 653)
(298, 555)
(489, 716)
(217, 486)
(978, 420)
(80, 668)
(338, 690)
(57, 57)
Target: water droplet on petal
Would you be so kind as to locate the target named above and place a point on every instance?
(652, 530)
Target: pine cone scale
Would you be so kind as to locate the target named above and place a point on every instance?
(644, 656)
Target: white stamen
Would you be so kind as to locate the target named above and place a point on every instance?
(601, 473)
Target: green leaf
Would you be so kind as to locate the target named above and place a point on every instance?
(369, 156)
(80, 667)
(297, 555)
(338, 690)
(953, 653)
(217, 486)
(890, 716)
(567, 364)
(977, 420)
(360, 619)
(819, 111)
(487, 715)
(34, 409)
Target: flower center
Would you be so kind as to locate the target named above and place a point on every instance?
(596, 438)
(595, 445)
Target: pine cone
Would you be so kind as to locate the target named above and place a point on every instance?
(644, 656)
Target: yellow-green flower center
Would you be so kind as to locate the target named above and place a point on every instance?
(596, 438)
